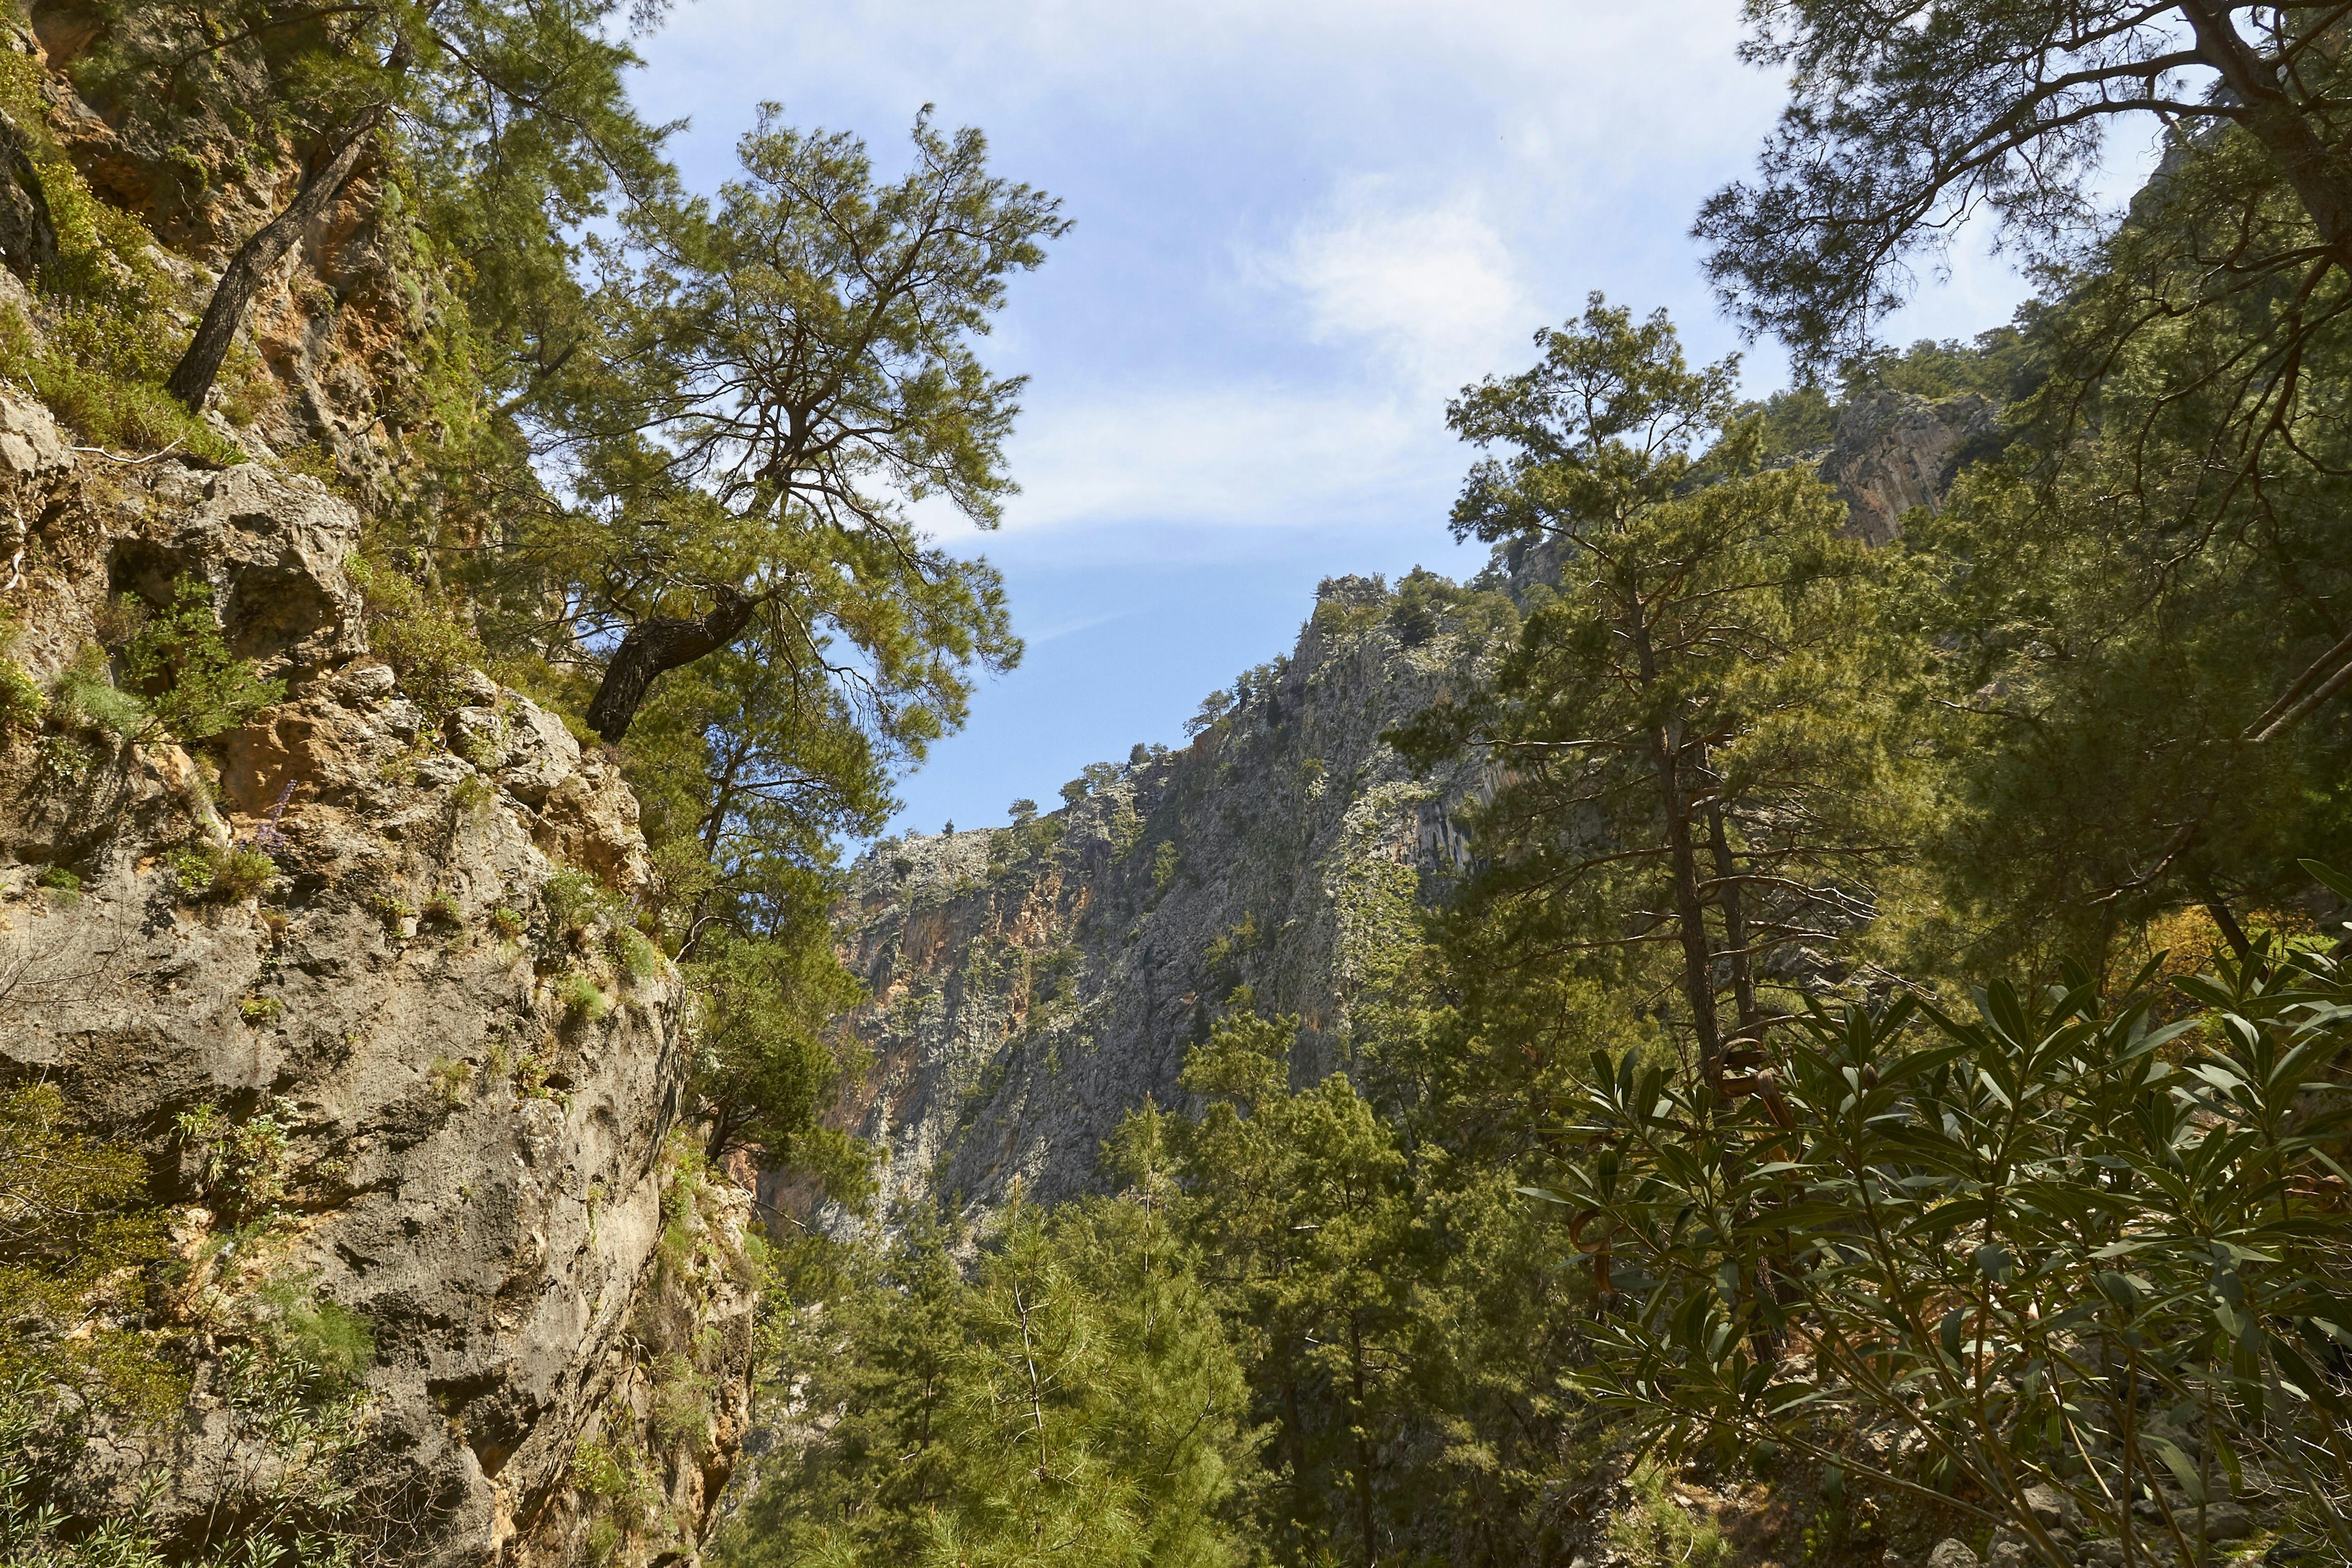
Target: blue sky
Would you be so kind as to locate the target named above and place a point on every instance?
(1300, 225)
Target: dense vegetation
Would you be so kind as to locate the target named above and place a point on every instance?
(1892, 1046)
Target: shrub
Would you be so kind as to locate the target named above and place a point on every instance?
(574, 900)
(99, 372)
(180, 661)
(21, 703)
(331, 1345)
(244, 1161)
(472, 792)
(450, 1076)
(427, 647)
(639, 959)
(120, 620)
(2013, 1241)
(192, 866)
(243, 871)
(58, 879)
(681, 1404)
(508, 922)
(442, 910)
(1163, 866)
(261, 1011)
(87, 700)
(529, 1076)
(581, 998)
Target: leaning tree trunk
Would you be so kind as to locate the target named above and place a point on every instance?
(2315, 169)
(193, 377)
(661, 643)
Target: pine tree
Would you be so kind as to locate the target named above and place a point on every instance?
(1701, 731)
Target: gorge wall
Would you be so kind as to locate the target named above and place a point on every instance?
(401, 1063)
(1032, 985)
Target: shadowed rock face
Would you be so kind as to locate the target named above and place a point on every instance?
(1895, 452)
(477, 1171)
(1032, 987)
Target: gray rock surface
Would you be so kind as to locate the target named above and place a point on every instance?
(1031, 987)
(475, 1170)
(1953, 1553)
(1894, 451)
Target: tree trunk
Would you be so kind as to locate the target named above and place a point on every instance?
(1363, 1437)
(2201, 883)
(193, 377)
(662, 643)
(2320, 178)
(1690, 910)
(1735, 920)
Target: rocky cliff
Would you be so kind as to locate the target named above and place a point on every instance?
(357, 981)
(1030, 984)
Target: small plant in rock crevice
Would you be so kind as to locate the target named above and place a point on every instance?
(583, 1001)
(85, 699)
(180, 662)
(192, 867)
(244, 872)
(244, 1164)
(450, 1077)
(21, 706)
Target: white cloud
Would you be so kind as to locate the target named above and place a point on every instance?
(1432, 291)
(1133, 465)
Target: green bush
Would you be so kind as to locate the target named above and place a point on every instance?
(332, 1344)
(192, 866)
(430, 649)
(179, 660)
(21, 703)
(449, 1077)
(639, 959)
(244, 1161)
(472, 792)
(581, 998)
(243, 871)
(87, 700)
(574, 900)
(681, 1404)
(261, 1011)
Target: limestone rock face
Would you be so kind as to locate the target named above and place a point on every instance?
(471, 1166)
(1895, 451)
(1031, 985)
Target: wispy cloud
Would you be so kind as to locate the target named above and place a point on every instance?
(1250, 455)
(1430, 291)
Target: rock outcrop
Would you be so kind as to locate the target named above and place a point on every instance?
(1033, 984)
(356, 978)
(1895, 451)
